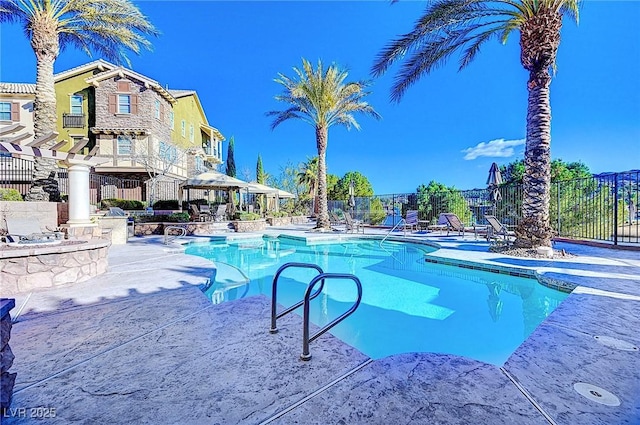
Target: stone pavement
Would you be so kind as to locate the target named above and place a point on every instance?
(141, 344)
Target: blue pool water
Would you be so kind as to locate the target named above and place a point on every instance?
(407, 304)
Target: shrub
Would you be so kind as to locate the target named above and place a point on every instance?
(170, 204)
(10, 195)
(125, 204)
(182, 217)
(246, 216)
(278, 214)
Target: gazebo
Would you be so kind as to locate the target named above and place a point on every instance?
(211, 180)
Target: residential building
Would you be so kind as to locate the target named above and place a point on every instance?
(16, 112)
(146, 130)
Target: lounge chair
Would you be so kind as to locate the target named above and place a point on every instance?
(28, 231)
(454, 223)
(199, 215)
(496, 228)
(221, 213)
(334, 219)
(411, 220)
(351, 224)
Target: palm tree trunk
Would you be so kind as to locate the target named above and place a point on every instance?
(534, 229)
(46, 48)
(323, 209)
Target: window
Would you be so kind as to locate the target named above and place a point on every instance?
(157, 112)
(5, 111)
(191, 134)
(171, 119)
(124, 145)
(200, 164)
(184, 126)
(168, 152)
(124, 104)
(76, 104)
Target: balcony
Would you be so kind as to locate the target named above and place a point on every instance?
(73, 120)
(211, 154)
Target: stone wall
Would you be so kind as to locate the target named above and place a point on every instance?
(278, 221)
(26, 269)
(7, 380)
(192, 228)
(45, 212)
(249, 225)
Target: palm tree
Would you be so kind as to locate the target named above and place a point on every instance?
(107, 27)
(308, 176)
(448, 26)
(322, 98)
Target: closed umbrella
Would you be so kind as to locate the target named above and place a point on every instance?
(352, 199)
(493, 181)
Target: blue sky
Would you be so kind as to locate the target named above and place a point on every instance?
(449, 127)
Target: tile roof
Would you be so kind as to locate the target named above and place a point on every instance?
(17, 88)
(181, 93)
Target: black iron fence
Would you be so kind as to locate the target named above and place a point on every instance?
(602, 207)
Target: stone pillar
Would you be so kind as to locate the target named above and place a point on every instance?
(7, 380)
(79, 211)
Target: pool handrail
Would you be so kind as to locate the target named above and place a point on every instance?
(274, 292)
(402, 220)
(308, 296)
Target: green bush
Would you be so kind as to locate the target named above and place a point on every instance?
(10, 195)
(278, 214)
(170, 204)
(182, 217)
(125, 204)
(377, 214)
(246, 216)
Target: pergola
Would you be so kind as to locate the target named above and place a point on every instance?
(78, 166)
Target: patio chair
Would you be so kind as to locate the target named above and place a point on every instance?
(197, 214)
(28, 231)
(221, 213)
(454, 223)
(351, 224)
(411, 220)
(496, 228)
(334, 219)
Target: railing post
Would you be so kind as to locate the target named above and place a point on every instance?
(615, 209)
(558, 206)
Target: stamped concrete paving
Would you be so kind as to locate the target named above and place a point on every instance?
(141, 344)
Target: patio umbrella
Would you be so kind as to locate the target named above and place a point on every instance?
(352, 199)
(493, 181)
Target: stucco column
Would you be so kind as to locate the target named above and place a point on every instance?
(79, 211)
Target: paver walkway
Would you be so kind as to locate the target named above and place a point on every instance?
(141, 344)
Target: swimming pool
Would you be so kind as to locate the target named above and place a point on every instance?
(407, 304)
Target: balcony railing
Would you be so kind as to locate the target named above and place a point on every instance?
(73, 120)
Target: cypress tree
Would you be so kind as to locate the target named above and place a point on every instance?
(259, 171)
(231, 162)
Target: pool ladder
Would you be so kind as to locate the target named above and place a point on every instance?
(308, 296)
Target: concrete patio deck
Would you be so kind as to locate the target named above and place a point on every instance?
(142, 345)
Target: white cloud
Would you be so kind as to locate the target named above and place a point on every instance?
(495, 148)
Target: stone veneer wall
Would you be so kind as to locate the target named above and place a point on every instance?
(26, 269)
(249, 225)
(45, 212)
(193, 228)
(7, 380)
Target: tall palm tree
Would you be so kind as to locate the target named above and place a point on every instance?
(321, 97)
(308, 176)
(448, 26)
(107, 27)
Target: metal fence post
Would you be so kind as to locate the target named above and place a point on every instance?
(615, 208)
